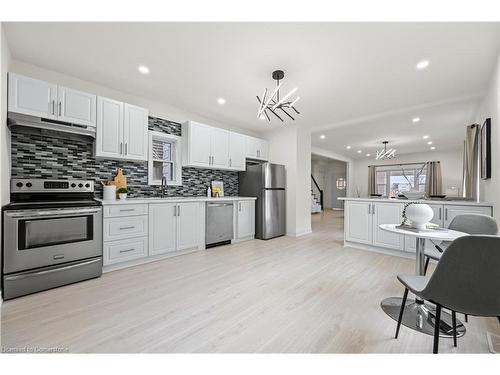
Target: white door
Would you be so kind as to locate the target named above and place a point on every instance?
(358, 222)
(199, 144)
(410, 242)
(32, 97)
(76, 106)
(109, 137)
(245, 218)
(162, 228)
(387, 213)
(219, 148)
(188, 225)
(135, 132)
(237, 151)
(450, 211)
(262, 149)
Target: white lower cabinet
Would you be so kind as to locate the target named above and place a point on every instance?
(358, 222)
(451, 211)
(162, 228)
(125, 250)
(245, 219)
(175, 227)
(384, 213)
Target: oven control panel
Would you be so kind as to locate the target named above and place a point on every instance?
(20, 185)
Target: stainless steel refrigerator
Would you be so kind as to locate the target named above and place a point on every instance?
(267, 182)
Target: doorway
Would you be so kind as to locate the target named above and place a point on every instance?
(328, 183)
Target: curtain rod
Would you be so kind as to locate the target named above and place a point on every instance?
(398, 165)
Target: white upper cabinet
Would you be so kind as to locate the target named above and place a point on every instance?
(257, 148)
(42, 99)
(109, 137)
(135, 132)
(32, 97)
(197, 139)
(210, 147)
(219, 147)
(122, 130)
(237, 151)
(76, 106)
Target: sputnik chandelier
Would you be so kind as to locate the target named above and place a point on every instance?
(274, 102)
(386, 153)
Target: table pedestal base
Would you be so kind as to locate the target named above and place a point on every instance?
(421, 317)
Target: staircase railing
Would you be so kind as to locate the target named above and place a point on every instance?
(320, 191)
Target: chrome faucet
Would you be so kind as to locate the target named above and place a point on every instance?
(163, 186)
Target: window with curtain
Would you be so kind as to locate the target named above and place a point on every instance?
(394, 180)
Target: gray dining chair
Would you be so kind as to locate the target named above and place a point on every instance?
(467, 223)
(466, 280)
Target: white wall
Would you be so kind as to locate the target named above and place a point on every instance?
(349, 161)
(451, 168)
(156, 109)
(291, 147)
(489, 190)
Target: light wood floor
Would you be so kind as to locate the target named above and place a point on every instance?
(307, 294)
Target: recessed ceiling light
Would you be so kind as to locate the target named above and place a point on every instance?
(433, 148)
(425, 137)
(348, 147)
(422, 64)
(221, 101)
(416, 119)
(322, 136)
(143, 69)
(368, 155)
(429, 143)
(359, 151)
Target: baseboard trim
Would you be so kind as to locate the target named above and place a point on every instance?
(299, 234)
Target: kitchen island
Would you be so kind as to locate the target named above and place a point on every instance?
(362, 217)
(140, 230)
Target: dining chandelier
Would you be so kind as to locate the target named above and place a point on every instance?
(385, 153)
(275, 102)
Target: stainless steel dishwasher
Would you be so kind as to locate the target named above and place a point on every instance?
(219, 223)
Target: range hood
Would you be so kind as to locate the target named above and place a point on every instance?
(16, 119)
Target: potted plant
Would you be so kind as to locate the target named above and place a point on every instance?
(122, 193)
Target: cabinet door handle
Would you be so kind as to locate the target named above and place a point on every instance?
(60, 108)
(126, 251)
(130, 227)
(126, 144)
(209, 160)
(178, 210)
(373, 209)
(53, 107)
(239, 206)
(230, 162)
(446, 213)
(439, 213)
(121, 148)
(127, 209)
(369, 208)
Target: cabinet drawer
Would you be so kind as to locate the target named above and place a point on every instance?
(125, 250)
(125, 210)
(125, 227)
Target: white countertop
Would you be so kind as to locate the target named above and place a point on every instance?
(173, 199)
(428, 201)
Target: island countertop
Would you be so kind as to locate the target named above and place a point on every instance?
(457, 202)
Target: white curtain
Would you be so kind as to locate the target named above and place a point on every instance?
(470, 180)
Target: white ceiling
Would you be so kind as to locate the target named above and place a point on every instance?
(343, 71)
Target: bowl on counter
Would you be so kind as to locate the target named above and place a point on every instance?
(414, 194)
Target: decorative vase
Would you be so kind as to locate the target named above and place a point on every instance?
(122, 196)
(419, 214)
(109, 192)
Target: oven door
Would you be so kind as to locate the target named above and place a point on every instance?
(38, 238)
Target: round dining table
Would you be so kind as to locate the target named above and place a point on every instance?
(419, 315)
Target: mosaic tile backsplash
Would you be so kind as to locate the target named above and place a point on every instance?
(55, 155)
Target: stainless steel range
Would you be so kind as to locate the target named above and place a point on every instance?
(52, 235)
